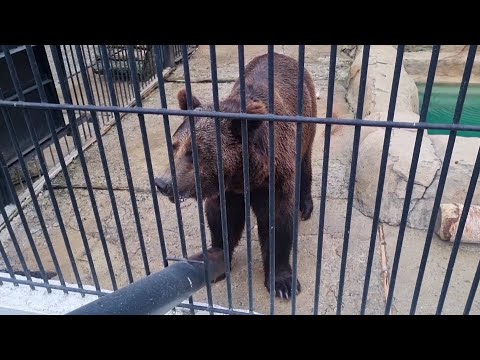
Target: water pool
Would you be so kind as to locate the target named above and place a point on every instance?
(442, 106)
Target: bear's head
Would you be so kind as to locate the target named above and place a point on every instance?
(206, 140)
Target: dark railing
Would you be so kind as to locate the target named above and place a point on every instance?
(71, 63)
(99, 85)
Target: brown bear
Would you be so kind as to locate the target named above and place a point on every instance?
(285, 103)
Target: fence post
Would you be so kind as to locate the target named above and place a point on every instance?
(168, 56)
(5, 197)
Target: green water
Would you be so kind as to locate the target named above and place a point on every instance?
(442, 106)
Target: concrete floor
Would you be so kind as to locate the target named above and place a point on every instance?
(317, 58)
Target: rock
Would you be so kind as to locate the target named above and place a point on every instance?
(460, 169)
(379, 82)
(448, 219)
(401, 116)
(450, 66)
(428, 48)
(397, 172)
(413, 48)
(349, 50)
(376, 104)
(457, 182)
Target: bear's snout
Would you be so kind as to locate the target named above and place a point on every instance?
(165, 187)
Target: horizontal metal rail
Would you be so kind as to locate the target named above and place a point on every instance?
(159, 292)
(243, 116)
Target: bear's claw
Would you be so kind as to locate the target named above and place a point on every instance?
(283, 285)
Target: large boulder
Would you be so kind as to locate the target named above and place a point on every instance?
(399, 116)
(381, 67)
(450, 66)
(396, 173)
(457, 182)
(444, 48)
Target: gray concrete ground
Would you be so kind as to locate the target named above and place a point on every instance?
(317, 58)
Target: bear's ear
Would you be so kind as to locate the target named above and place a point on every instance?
(182, 100)
(254, 107)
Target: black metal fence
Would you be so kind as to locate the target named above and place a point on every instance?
(71, 63)
(99, 85)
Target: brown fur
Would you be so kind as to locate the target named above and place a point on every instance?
(285, 103)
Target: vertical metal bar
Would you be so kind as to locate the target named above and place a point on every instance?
(51, 125)
(271, 177)
(116, 77)
(106, 98)
(221, 184)
(353, 172)
(33, 136)
(444, 171)
(298, 173)
(78, 144)
(149, 63)
(326, 157)
(127, 80)
(143, 58)
(3, 253)
(413, 169)
(198, 186)
(126, 162)
(72, 73)
(138, 58)
(169, 51)
(381, 176)
(11, 189)
(75, 76)
(146, 148)
(89, 184)
(6, 220)
(28, 180)
(67, 60)
(473, 291)
(246, 175)
(108, 180)
(99, 99)
(152, 65)
(146, 66)
(458, 235)
(89, 79)
(168, 137)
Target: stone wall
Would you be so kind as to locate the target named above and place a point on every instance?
(450, 66)
(377, 97)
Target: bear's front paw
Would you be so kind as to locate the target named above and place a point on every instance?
(283, 284)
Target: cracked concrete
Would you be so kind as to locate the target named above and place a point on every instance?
(317, 59)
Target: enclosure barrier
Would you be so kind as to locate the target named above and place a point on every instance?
(159, 292)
